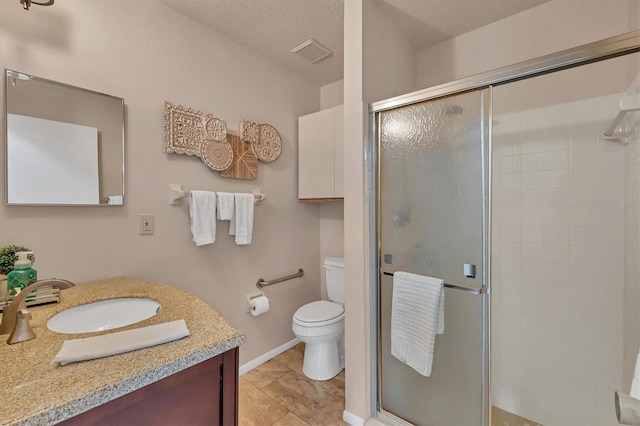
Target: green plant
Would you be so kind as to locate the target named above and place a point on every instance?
(8, 257)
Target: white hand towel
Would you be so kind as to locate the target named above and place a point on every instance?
(226, 206)
(243, 219)
(417, 315)
(120, 342)
(635, 383)
(202, 209)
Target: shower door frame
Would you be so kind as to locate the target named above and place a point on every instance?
(620, 45)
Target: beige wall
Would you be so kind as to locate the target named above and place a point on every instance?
(548, 28)
(388, 58)
(332, 94)
(331, 214)
(357, 392)
(374, 50)
(147, 53)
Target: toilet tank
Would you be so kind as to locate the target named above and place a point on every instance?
(334, 273)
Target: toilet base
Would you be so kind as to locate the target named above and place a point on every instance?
(322, 361)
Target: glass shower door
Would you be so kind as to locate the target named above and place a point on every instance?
(432, 219)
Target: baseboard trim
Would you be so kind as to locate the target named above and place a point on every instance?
(245, 368)
(352, 419)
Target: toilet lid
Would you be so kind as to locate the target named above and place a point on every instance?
(319, 311)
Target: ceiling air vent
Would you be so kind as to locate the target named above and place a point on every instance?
(312, 51)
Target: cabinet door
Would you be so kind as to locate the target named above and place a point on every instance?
(339, 151)
(194, 396)
(316, 155)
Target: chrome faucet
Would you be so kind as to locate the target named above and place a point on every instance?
(16, 313)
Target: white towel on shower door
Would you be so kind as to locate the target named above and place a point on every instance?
(417, 315)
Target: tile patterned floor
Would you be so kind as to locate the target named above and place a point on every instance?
(277, 394)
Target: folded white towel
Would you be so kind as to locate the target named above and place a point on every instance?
(226, 205)
(120, 342)
(417, 314)
(242, 224)
(202, 209)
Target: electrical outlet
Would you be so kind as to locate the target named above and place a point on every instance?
(145, 224)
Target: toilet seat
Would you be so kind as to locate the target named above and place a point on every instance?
(320, 313)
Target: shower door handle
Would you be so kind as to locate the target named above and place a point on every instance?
(469, 270)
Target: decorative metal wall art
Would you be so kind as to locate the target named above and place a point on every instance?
(191, 132)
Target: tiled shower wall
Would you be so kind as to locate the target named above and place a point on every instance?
(631, 317)
(558, 239)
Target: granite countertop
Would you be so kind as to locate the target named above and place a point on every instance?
(34, 390)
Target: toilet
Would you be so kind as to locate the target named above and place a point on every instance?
(320, 325)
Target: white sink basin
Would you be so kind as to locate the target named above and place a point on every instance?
(103, 315)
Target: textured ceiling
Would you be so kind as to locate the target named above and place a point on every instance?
(273, 27)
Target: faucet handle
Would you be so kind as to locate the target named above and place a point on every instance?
(22, 331)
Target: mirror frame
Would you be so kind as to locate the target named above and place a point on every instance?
(10, 73)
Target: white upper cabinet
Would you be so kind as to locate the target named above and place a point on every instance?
(321, 155)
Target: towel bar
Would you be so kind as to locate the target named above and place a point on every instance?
(176, 193)
(262, 283)
(476, 291)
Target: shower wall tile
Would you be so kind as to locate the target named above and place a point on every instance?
(532, 215)
(612, 197)
(632, 170)
(583, 152)
(631, 197)
(610, 236)
(556, 198)
(556, 234)
(583, 177)
(532, 198)
(582, 255)
(583, 216)
(611, 258)
(532, 234)
(609, 277)
(582, 236)
(583, 294)
(611, 176)
(532, 180)
(609, 154)
(583, 197)
(510, 233)
(556, 179)
(510, 198)
(533, 162)
(556, 216)
(556, 254)
(583, 275)
(561, 199)
(510, 181)
(554, 160)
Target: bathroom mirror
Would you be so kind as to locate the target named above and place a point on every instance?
(64, 144)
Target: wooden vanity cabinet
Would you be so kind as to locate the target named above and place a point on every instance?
(204, 394)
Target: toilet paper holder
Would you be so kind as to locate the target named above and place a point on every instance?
(248, 304)
(627, 409)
